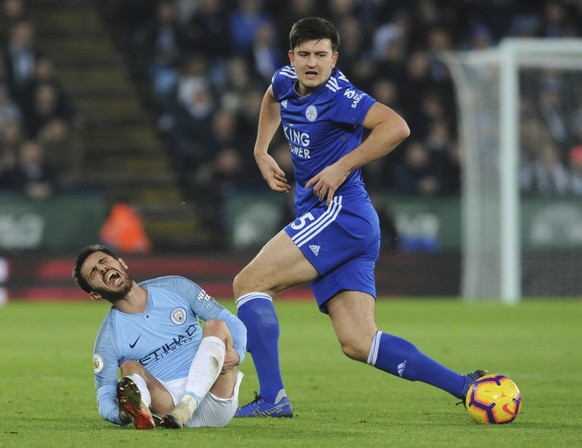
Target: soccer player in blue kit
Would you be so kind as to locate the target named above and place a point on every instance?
(174, 374)
(335, 240)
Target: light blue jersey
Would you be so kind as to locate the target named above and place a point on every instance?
(164, 338)
(321, 128)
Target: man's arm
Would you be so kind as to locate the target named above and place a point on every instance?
(269, 120)
(106, 367)
(388, 130)
(108, 407)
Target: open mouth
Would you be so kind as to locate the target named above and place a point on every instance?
(112, 278)
(311, 73)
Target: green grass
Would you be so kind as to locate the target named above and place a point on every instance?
(47, 396)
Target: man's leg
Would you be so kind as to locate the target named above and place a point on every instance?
(279, 265)
(352, 315)
(204, 371)
(137, 392)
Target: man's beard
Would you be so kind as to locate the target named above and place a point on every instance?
(114, 296)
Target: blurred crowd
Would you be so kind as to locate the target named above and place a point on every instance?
(38, 155)
(207, 63)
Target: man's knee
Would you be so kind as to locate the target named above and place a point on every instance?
(130, 366)
(243, 284)
(216, 327)
(355, 349)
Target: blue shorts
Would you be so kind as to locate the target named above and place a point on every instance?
(342, 242)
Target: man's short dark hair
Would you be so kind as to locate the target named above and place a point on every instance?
(313, 28)
(81, 257)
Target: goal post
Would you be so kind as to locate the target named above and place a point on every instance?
(495, 89)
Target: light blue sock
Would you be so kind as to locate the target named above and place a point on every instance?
(401, 358)
(257, 312)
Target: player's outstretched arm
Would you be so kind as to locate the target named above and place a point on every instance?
(269, 120)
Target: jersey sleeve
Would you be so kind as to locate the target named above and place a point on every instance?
(206, 307)
(351, 106)
(282, 82)
(105, 367)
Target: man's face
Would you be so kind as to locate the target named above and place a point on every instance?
(313, 61)
(107, 277)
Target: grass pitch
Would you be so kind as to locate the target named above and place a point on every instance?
(47, 396)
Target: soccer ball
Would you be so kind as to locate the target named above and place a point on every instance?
(493, 399)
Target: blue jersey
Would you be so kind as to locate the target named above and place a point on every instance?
(164, 338)
(321, 128)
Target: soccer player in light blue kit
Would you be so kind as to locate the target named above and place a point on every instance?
(173, 373)
(335, 241)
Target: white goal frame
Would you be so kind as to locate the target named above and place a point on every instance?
(510, 56)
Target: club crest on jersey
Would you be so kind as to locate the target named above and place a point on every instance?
(98, 363)
(178, 316)
(311, 113)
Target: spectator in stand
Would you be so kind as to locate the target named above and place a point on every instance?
(191, 134)
(192, 76)
(62, 151)
(245, 20)
(11, 137)
(481, 39)
(439, 144)
(389, 34)
(45, 74)
(208, 31)
(32, 175)
(264, 54)
(224, 131)
(525, 25)
(249, 119)
(11, 12)
(553, 112)
(20, 55)
(9, 110)
(353, 43)
(46, 108)
(451, 172)
(417, 175)
(213, 183)
(239, 80)
(416, 83)
(557, 21)
(160, 47)
(550, 177)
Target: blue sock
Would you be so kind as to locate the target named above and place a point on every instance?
(257, 312)
(401, 358)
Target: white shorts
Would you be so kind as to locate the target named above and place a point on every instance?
(213, 411)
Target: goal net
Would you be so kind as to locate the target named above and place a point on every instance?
(520, 112)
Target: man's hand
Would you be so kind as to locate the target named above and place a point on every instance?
(273, 175)
(124, 416)
(326, 183)
(231, 359)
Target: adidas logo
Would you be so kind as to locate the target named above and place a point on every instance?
(401, 368)
(314, 248)
(284, 104)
